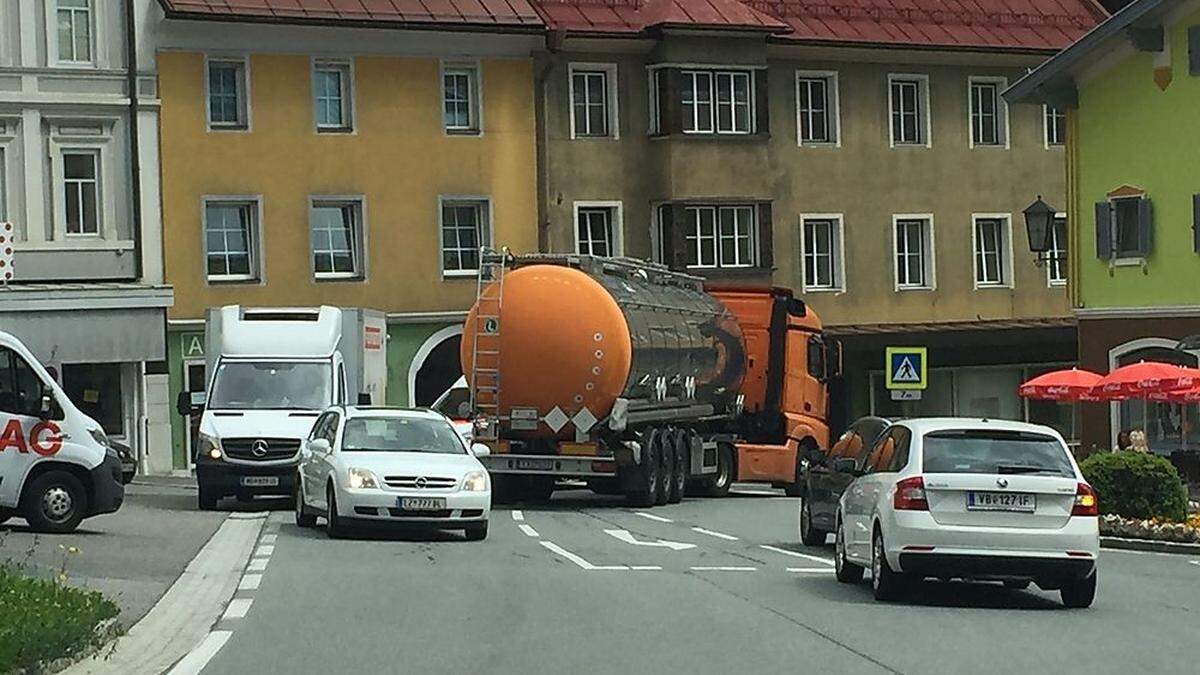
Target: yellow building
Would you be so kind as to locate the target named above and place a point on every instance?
(347, 161)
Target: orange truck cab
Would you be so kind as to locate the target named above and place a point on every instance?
(785, 392)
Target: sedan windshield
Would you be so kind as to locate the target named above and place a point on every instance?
(401, 434)
(275, 385)
(995, 452)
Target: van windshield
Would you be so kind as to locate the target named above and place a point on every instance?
(995, 452)
(455, 403)
(271, 385)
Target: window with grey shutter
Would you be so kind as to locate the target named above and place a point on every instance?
(1104, 230)
(1145, 227)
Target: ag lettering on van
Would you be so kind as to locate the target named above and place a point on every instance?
(42, 438)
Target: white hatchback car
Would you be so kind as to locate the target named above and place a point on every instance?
(391, 466)
(970, 499)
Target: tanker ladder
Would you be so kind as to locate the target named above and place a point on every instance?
(485, 347)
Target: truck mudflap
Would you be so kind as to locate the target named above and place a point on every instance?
(551, 465)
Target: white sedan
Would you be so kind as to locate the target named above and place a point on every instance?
(970, 499)
(391, 466)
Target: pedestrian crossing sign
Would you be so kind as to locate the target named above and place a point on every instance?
(907, 367)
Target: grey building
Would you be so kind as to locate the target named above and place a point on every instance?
(79, 182)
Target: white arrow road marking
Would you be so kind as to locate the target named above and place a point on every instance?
(578, 560)
(811, 570)
(651, 516)
(724, 569)
(529, 531)
(627, 537)
(794, 554)
(645, 568)
(718, 535)
(518, 516)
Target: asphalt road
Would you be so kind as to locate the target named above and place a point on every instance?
(574, 587)
(132, 556)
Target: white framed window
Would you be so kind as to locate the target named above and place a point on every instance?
(821, 252)
(81, 191)
(989, 114)
(593, 100)
(721, 236)
(231, 235)
(460, 99)
(465, 225)
(73, 29)
(717, 102)
(598, 228)
(912, 236)
(1056, 263)
(1055, 122)
(337, 237)
(227, 94)
(817, 114)
(992, 241)
(333, 96)
(908, 103)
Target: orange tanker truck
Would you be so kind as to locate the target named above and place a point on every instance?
(640, 380)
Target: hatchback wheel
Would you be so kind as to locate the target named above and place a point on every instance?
(888, 585)
(847, 572)
(1079, 593)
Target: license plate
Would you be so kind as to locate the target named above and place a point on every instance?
(1001, 501)
(260, 481)
(535, 464)
(422, 503)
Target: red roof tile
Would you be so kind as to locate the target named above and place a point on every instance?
(506, 13)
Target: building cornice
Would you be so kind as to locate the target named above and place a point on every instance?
(76, 297)
(1163, 312)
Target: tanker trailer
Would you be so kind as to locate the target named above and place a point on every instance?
(628, 375)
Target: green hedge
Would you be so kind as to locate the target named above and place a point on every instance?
(44, 619)
(1136, 485)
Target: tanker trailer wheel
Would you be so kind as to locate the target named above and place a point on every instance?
(666, 467)
(504, 489)
(643, 485)
(718, 485)
(682, 441)
(538, 489)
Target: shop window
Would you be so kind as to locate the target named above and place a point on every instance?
(95, 388)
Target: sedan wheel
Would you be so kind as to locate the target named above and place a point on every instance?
(333, 525)
(847, 572)
(888, 585)
(303, 517)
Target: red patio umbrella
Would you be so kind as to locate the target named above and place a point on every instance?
(1061, 385)
(1143, 378)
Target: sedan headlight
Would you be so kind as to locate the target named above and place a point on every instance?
(476, 481)
(208, 447)
(360, 478)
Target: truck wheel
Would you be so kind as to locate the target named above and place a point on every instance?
(54, 502)
(683, 456)
(718, 485)
(206, 499)
(666, 468)
(643, 490)
(604, 486)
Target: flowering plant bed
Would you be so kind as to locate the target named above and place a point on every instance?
(1187, 532)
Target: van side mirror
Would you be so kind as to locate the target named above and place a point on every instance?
(183, 403)
(480, 450)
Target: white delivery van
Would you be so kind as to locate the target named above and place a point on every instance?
(271, 373)
(56, 465)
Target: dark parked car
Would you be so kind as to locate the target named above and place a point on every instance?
(830, 473)
(128, 461)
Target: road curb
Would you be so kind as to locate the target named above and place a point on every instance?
(185, 614)
(1149, 545)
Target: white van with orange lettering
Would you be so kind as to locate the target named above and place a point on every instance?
(56, 464)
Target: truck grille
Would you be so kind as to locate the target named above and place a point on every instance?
(424, 482)
(275, 448)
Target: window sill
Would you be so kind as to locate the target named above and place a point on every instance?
(231, 281)
(1128, 262)
(1056, 284)
(825, 289)
(989, 146)
(911, 146)
(323, 278)
(732, 138)
(463, 132)
(992, 287)
(902, 289)
(593, 137)
(731, 272)
(335, 131)
(459, 274)
(228, 127)
(820, 144)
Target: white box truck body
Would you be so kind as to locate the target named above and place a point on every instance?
(271, 373)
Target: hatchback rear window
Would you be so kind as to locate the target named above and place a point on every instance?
(998, 452)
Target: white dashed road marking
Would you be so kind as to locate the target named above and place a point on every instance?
(257, 564)
(529, 531)
(718, 535)
(518, 516)
(645, 568)
(1195, 562)
(199, 657)
(264, 551)
(237, 608)
(268, 538)
(724, 568)
(794, 554)
(811, 570)
(651, 516)
(250, 582)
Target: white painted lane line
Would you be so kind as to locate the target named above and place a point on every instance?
(811, 570)
(268, 538)
(257, 564)
(651, 516)
(578, 560)
(1195, 562)
(237, 608)
(718, 535)
(264, 551)
(627, 537)
(724, 568)
(756, 493)
(250, 582)
(529, 531)
(645, 568)
(794, 554)
(199, 657)
(518, 516)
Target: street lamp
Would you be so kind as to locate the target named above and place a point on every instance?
(1039, 223)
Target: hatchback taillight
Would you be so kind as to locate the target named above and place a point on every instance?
(1085, 501)
(910, 495)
